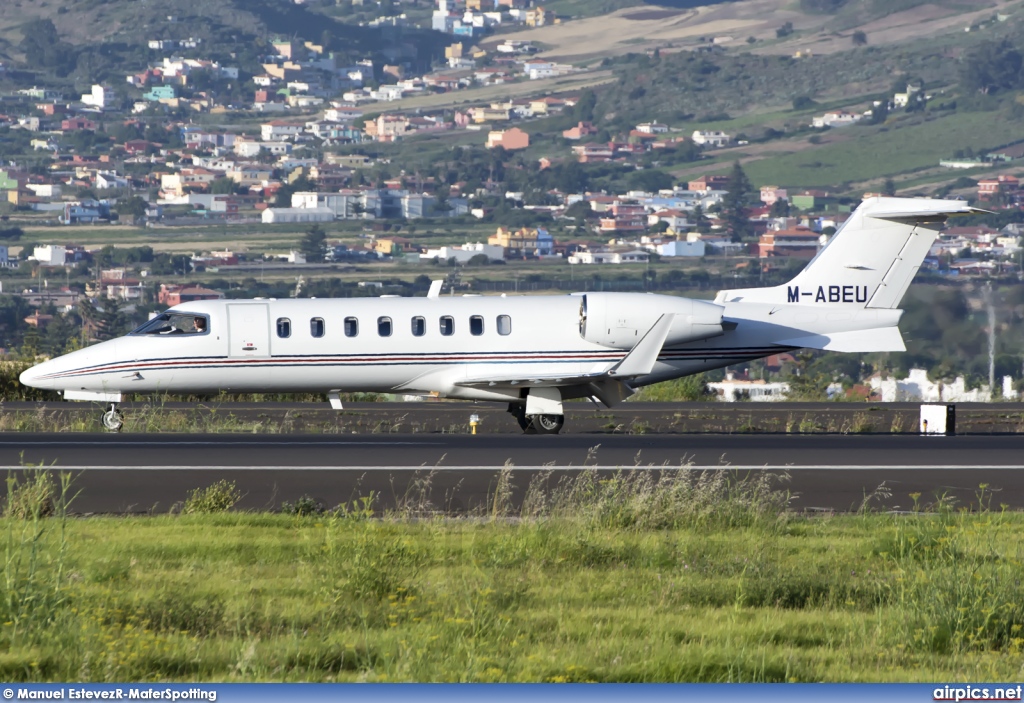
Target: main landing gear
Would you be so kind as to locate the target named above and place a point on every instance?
(536, 424)
(113, 419)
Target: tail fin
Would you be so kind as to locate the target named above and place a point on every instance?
(870, 261)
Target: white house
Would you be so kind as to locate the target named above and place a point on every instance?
(711, 138)
(97, 98)
(610, 257)
(50, 254)
(465, 252)
(836, 118)
(679, 248)
(917, 387)
(247, 148)
(277, 130)
(732, 389)
(280, 215)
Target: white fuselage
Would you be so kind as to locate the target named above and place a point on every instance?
(243, 351)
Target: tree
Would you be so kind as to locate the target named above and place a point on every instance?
(314, 245)
(134, 207)
(784, 31)
(889, 187)
(803, 102)
(735, 212)
(993, 67)
(780, 208)
(859, 38)
(225, 186)
(584, 109)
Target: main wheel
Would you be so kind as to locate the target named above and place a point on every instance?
(547, 424)
(113, 420)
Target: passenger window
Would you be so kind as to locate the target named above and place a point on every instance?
(351, 327)
(284, 327)
(476, 325)
(384, 326)
(504, 325)
(316, 327)
(419, 326)
(447, 326)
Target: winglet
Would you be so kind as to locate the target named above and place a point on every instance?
(641, 358)
(435, 289)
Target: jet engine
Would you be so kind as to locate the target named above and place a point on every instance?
(620, 320)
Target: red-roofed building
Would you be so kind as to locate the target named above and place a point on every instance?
(988, 187)
(173, 294)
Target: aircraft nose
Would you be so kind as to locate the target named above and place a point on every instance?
(33, 377)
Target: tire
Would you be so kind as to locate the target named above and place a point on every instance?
(547, 424)
(113, 421)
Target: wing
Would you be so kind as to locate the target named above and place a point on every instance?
(608, 386)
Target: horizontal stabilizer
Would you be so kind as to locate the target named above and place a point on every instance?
(880, 339)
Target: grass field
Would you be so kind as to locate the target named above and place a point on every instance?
(690, 579)
(872, 152)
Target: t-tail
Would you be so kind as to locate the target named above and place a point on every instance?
(856, 282)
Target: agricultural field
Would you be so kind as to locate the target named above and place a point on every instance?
(861, 153)
(690, 578)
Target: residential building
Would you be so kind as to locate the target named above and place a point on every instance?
(711, 138)
(624, 217)
(734, 389)
(1001, 184)
(581, 130)
(97, 97)
(508, 139)
(464, 253)
(173, 294)
(836, 118)
(279, 215)
(77, 123)
(50, 254)
(772, 194)
(678, 247)
(610, 256)
(395, 246)
(652, 128)
(798, 243)
(705, 184)
(279, 130)
(523, 242)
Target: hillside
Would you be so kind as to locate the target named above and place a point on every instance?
(668, 25)
(113, 33)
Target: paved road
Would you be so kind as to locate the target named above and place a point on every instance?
(135, 473)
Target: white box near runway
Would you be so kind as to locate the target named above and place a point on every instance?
(938, 419)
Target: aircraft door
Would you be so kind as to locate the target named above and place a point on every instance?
(248, 330)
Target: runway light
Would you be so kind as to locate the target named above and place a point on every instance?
(474, 420)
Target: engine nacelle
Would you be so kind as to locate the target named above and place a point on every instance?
(620, 320)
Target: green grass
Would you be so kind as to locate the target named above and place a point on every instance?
(693, 579)
(874, 152)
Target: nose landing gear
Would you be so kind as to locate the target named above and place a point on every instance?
(113, 419)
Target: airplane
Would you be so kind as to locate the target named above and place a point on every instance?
(531, 352)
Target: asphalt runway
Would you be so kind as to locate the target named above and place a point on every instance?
(457, 473)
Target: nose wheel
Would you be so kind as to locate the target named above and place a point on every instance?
(112, 419)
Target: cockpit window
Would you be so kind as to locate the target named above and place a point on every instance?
(175, 323)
